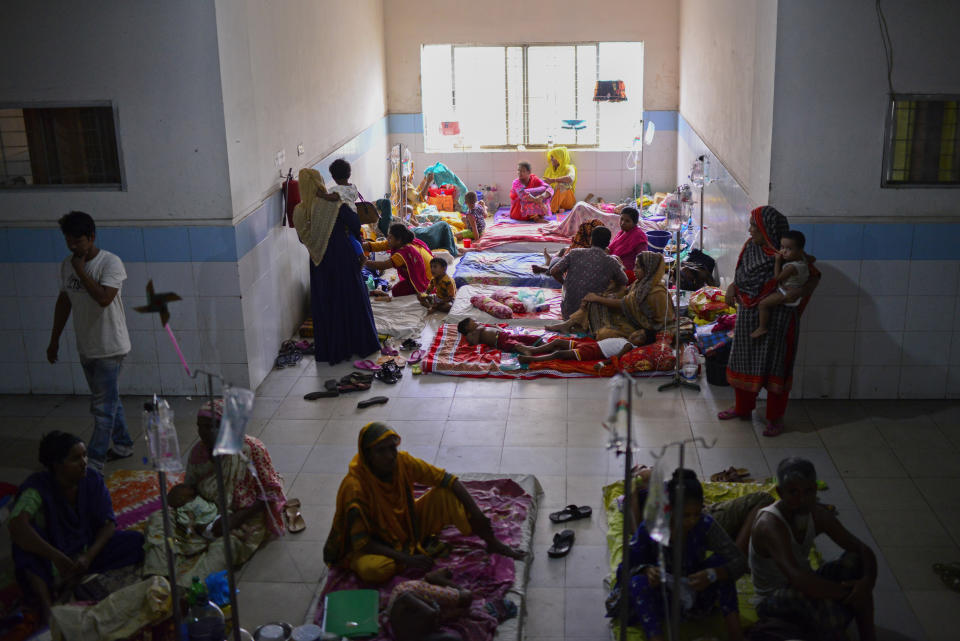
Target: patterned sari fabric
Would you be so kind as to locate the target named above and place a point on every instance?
(766, 362)
(197, 556)
(581, 239)
(645, 306)
(524, 210)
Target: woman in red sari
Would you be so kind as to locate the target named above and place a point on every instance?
(529, 196)
(409, 255)
(766, 362)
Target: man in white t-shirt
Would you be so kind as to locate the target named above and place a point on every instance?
(90, 282)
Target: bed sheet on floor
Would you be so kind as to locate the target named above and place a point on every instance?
(136, 495)
(499, 268)
(400, 317)
(502, 215)
(512, 502)
(712, 493)
(462, 308)
(500, 234)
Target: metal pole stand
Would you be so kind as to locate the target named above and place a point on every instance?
(225, 521)
(627, 508)
(678, 381)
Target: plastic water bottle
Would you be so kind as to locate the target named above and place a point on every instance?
(690, 362)
(205, 620)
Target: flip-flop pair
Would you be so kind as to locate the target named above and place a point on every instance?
(732, 475)
(416, 357)
(367, 365)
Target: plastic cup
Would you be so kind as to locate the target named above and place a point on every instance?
(466, 242)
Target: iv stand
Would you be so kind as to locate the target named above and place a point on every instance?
(167, 534)
(678, 381)
(677, 532)
(627, 451)
(224, 515)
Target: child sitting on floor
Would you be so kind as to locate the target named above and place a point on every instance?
(441, 291)
(575, 349)
(474, 219)
(791, 269)
(477, 334)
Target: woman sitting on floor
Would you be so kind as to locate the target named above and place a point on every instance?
(379, 528)
(256, 505)
(409, 255)
(529, 195)
(645, 307)
(629, 241)
(709, 582)
(561, 174)
(62, 524)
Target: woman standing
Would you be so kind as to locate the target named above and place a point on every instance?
(766, 362)
(343, 322)
(561, 174)
(410, 256)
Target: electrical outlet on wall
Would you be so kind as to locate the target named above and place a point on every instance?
(300, 149)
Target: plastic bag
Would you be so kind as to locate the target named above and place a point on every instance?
(237, 409)
(161, 434)
(709, 302)
(533, 301)
(218, 588)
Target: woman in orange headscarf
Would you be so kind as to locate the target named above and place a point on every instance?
(379, 528)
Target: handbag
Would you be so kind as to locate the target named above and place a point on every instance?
(367, 212)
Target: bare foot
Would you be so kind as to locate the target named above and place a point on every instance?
(539, 269)
(498, 547)
(758, 332)
(523, 349)
(524, 358)
(546, 257)
(560, 329)
(588, 198)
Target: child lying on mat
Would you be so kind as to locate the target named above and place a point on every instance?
(441, 291)
(477, 334)
(575, 349)
(417, 608)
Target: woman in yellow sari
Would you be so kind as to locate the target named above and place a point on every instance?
(561, 174)
(379, 528)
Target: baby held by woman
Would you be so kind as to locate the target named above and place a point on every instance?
(791, 269)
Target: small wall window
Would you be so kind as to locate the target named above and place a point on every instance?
(923, 141)
(59, 146)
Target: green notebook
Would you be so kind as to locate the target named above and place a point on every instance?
(352, 613)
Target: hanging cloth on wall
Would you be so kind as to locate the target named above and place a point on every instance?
(291, 196)
(450, 128)
(610, 91)
(573, 124)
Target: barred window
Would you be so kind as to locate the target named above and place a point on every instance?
(59, 146)
(923, 141)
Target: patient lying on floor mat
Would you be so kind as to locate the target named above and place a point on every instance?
(575, 349)
(417, 608)
(476, 334)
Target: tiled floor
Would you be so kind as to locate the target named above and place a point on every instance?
(893, 469)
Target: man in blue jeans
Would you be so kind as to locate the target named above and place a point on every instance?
(90, 281)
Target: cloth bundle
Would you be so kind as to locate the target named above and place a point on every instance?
(490, 306)
(657, 356)
(707, 303)
(443, 202)
(516, 305)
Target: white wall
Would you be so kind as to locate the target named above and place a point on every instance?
(158, 63)
(831, 102)
(412, 23)
(295, 72)
(727, 53)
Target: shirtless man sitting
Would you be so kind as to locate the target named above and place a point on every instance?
(822, 602)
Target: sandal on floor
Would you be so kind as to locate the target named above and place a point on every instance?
(356, 377)
(367, 365)
(312, 396)
(571, 513)
(353, 387)
(727, 415)
(410, 345)
(389, 373)
(295, 522)
(331, 384)
(400, 361)
(774, 428)
(562, 542)
(416, 370)
(416, 357)
(375, 400)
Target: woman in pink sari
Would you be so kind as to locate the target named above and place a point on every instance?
(409, 255)
(630, 240)
(529, 196)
